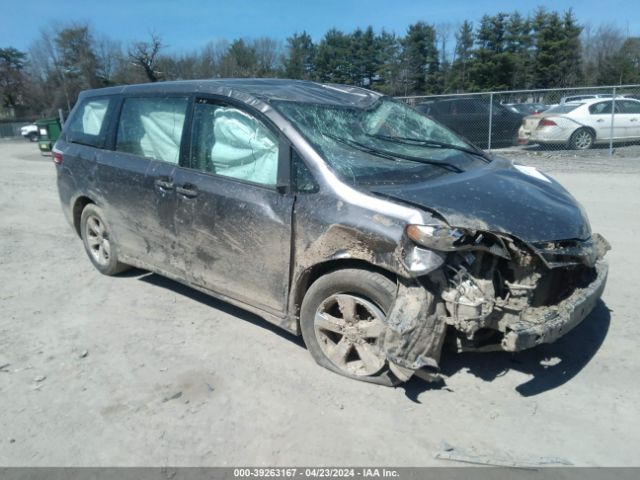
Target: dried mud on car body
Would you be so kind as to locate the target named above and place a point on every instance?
(148, 338)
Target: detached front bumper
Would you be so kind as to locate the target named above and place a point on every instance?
(555, 321)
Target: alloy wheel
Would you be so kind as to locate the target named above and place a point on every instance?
(583, 140)
(349, 330)
(98, 240)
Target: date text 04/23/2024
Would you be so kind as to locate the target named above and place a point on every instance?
(315, 473)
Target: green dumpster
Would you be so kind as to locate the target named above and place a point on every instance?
(49, 129)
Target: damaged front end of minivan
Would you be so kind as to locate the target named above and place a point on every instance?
(487, 291)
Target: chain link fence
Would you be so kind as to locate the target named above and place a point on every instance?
(11, 129)
(550, 119)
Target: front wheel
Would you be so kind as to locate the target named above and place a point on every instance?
(581, 139)
(98, 241)
(33, 137)
(343, 324)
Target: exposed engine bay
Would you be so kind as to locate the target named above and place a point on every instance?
(490, 295)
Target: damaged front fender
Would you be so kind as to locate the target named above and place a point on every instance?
(415, 332)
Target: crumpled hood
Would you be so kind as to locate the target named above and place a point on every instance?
(499, 197)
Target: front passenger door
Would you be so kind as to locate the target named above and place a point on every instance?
(629, 118)
(231, 219)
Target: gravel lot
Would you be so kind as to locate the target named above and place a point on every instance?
(139, 370)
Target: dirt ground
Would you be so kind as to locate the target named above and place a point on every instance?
(139, 370)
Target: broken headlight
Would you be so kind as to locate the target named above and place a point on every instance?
(438, 237)
(450, 239)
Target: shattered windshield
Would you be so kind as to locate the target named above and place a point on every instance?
(387, 144)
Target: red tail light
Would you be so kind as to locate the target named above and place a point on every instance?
(57, 157)
(545, 122)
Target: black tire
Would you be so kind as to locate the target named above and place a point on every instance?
(33, 137)
(582, 139)
(96, 237)
(370, 287)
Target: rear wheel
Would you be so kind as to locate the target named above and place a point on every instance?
(343, 324)
(33, 137)
(98, 241)
(581, 139)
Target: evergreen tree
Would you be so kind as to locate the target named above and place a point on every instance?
(420, 59)
(77, 60)
(240, 60)
(463, 57)
(13, 78)
(333, 62)
(301, 56)
(571, 61)
(493, 65)
(388, 55)
(363, 56)
(519, 44)
(549, 41)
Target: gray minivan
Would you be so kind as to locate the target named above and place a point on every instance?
(333, 211)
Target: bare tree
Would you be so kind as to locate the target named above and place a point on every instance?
(211, 58)
(600, 46)
(145, 55)
(268, 55)
(110, 59)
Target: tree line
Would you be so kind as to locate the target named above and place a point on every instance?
(546, 49)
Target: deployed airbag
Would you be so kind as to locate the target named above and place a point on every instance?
(93, 116)
(162, 133)
(244, 148)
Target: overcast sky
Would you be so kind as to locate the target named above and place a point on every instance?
(186, 25)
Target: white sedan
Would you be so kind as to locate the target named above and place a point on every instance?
(582, 124)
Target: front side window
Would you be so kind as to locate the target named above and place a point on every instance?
(230, 142)
(385, 144)
(86, 125)
(152, 127)
(303, 177)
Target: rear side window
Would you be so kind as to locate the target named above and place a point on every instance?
(566, 108)
(627, 106)
(465, 106)
(427, 108)
(152, 127)
(603, 108)
(600, 108)
(88, 126)
(577, 98)
(232, 143)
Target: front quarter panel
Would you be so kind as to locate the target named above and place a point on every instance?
(327, 228)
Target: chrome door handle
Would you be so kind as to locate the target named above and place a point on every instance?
(164, 184)
(187, 190)
(600, 120)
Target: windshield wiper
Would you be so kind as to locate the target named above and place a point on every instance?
(392, 155)
(430, 143)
